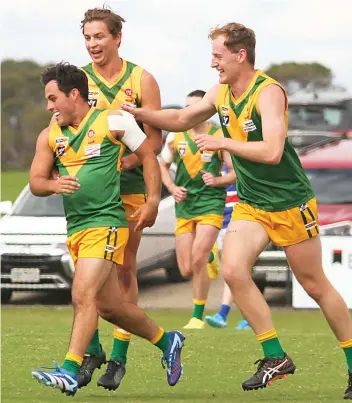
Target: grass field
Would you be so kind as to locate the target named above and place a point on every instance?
(12, 183)
(215, 361)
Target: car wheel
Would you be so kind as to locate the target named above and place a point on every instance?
(174, 275)
(261, 286)
(6, 296)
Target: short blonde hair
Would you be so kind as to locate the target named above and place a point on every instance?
(237, 37)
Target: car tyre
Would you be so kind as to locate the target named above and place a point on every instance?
(174, 275)
(6, 296)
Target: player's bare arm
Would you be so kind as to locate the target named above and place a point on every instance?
(167, 158)
(223, 180)
(123, 126)
(39, 178)
(150, 100)
(178, 120)
(272, 105)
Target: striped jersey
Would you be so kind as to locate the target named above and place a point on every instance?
(268, 187)
(93, 155)
(201, 199)
(125, 89)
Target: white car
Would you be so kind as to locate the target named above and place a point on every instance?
(34, 254)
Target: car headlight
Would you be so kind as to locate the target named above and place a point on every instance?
(343, 228)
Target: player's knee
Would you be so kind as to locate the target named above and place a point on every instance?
(315, 289)
(199, 260)
(81, 298)
(185, 269)
(236, 276)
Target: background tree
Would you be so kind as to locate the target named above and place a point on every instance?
(297, 76)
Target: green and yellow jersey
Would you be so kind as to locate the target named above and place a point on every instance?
(201, 199)
(125, 89)
(267, 187)
(93, 155)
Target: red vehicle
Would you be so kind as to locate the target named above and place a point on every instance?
(329, 168)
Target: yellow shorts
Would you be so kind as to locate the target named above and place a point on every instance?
(287, 227)
(132, 203)
(186, 225)
(103, 242)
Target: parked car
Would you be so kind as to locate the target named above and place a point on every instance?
(314, 117)
(34, 254)
(329, 168)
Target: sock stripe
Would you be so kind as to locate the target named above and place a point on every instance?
(199, 301)
(346, 344)
(122, 334)
(74, 357)
(158, 336)
(270, 334)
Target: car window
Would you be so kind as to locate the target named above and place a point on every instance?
(33, 206)
(315, 117)
(331, 186)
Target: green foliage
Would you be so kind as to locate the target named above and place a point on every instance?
(295, 76)
(216, 361)
(23, 112)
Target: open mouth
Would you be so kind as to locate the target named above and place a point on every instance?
(56, 115)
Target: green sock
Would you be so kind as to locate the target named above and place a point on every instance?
(272, 348)
(211, 257)
(72, 363)
(94, 347)
(348, 353)
(198, 309)
(163, 343)
(119, 350)
(270, 344)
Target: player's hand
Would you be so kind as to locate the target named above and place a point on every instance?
(179, 193)
(54, 174)
(147, 215)
(209, 179)
(136, 112)
(209, 143)
(66, 185)
(125, 165)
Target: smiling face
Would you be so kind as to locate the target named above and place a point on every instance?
(101, 45)
(59, 104)
(227, 63)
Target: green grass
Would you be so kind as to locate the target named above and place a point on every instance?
(12, 184)
(215, 361)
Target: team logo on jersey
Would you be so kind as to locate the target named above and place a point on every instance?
(249, 126)
(128, 92)
(90, 133)
(181, 147)
(225, 109)
(226, 120)
(206, 156)
(61, 140)
(92, 151)
(61, 150)
(93, 97)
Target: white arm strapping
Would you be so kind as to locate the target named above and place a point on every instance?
(166, 153)
(133, 136)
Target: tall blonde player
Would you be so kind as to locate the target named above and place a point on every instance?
(276, 198)
(112, 82)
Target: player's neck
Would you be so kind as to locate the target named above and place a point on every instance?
(111, 70)
(242, 82)
(80, 114)
(200, 129)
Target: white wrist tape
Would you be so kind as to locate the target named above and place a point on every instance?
(133, 136)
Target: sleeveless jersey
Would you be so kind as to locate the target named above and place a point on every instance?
(267, 187)
(201, 199)
(93, 155)
(125, 89)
